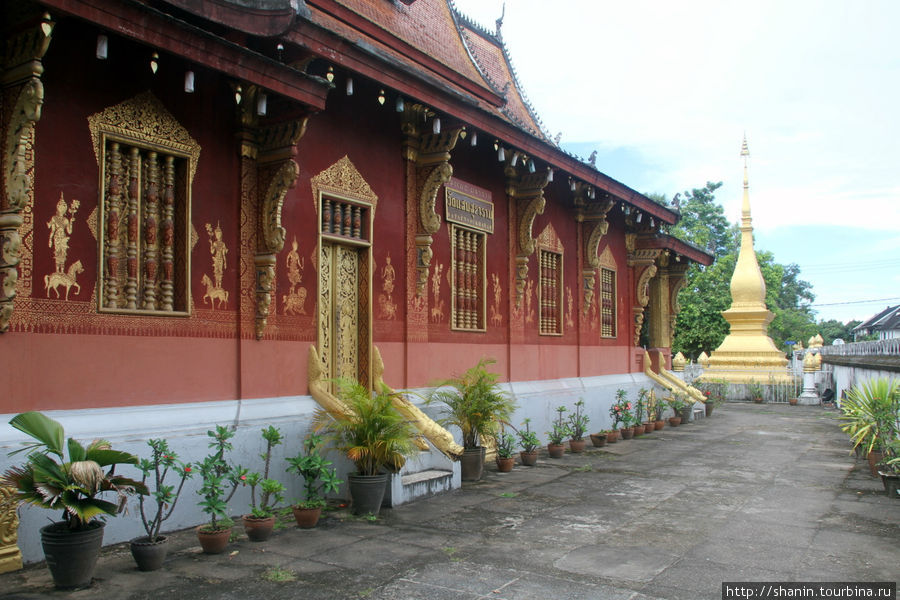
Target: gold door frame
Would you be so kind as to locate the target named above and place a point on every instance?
(342, 184)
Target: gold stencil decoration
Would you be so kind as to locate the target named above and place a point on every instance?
(218, 252)
(387, 308)
(60, 226)
(496, 312)
(607, 261)
(437, 307)
(92, 222)
(570, 308)
(343, 179)
(144, 118)
(294, 300)
(529, 307)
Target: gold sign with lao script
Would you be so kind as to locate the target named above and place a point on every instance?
(469, 211)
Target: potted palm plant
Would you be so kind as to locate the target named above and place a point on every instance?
(529, 442)
(373, 435)
(506, 447)
(258, 525)
(578, 422)
(869, 415)
(73, 485)
(150, 551)
(677, 405)
(217, 476)
(558, 433)
(475, 403)
(319, 478)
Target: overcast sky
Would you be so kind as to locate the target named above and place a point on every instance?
(665, 91)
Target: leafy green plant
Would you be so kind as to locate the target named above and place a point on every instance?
(474, 402)
(677, 404)
(870, 414)
(371, 433)
(70, 484)
(560, 428)
(646, 400)
(658, 405)
(319, 478)
(620, 411)
(270, 489)
(217, 475)
(162, 460)
(506, 445)
(639, 408)
(578, 422)
(755, 390)
(528, 439)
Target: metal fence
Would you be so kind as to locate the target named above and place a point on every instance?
(889, 347)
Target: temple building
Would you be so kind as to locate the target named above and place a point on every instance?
(747, 354)
(211, 208)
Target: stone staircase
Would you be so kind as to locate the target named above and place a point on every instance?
(426, 474)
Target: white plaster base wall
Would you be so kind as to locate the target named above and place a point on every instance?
(843, 378)
(185, 427)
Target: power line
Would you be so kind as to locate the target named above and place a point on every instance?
(857, 301)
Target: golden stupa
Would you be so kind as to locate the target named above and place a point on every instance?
(747, 353)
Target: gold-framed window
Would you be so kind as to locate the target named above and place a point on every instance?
(607, 303)
(550, 292)
(468, 280)
(145, 207)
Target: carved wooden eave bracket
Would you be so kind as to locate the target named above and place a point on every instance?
(592, 217)
(677, 281)
(528, 192)
(431, 153)
(272, 148)
(643, 262)
(24, 92)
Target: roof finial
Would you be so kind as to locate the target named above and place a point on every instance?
(745, 152)
(500, 20)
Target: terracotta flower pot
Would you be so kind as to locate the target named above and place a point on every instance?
(709, 409)
(660, 424)
(577, 446)
(793, 401)
(612, 436)
(529, 459)
(649, 427)
(214, 541)
(556, 450)
(638, 430)
(674, 421)
(505, 465)
(306, 517)
(599, 439)
(874, 457)
(258, 529)
(627, 433)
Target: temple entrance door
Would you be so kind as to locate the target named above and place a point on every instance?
(344, 311)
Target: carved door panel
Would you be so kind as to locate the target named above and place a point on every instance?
(343, 331)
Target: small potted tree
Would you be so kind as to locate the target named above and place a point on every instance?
(558, 433)
(659, 408)
(319, 478)
(638, 417)
(74, 485)
(647, 403)
(373, 435)
(258, 525)
(578, 422)
(475, 403)
(529, 442)
(677, 405)
(217, 476)
(755, 391)
(150, 551)
(506, 448)
(617, 413)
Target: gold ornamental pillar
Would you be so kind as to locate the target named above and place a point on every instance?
(10, 555)
(22, 98)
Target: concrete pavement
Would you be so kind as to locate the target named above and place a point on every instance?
(754, 493)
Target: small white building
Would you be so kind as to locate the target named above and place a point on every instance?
(886, 324)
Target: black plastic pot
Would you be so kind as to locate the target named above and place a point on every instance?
(472, 464)
(72, 555)
(149, 556)
(891, 482)
(367, 493)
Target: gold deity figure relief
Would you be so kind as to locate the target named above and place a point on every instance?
(60, 226)
(437, 307)
(570, 308)
(218, 251)
(529, 308)
(496, 313)
(294, 300)
(387, 308)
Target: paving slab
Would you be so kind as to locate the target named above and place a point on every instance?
(754, 493)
